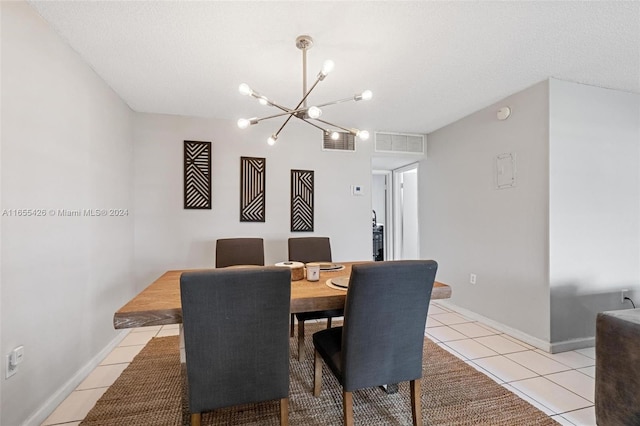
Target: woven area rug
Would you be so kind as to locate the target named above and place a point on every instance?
(453, 394)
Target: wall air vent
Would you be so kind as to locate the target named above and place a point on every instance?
(400, 143)
(344, 142)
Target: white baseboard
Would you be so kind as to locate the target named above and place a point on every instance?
(61, 394)
(526, 338)
(573, 344)
(564, 346)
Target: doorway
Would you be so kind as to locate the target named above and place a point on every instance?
(381, 214)
(394, 200)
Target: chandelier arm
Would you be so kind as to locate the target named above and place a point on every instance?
(280, 107)
(286, 112)
(314, 125)
(335, 125)
(304, 98)
(259, 96)
(285, 109)
(306, 95)
(276, 134)
(339, 101)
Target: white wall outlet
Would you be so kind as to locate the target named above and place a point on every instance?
(472, 278)
(9, 368)
(623, 294)
(17, 355)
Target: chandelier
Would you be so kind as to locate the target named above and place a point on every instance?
(308, 114)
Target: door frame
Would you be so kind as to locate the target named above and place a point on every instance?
(397, 208)
(388, 214)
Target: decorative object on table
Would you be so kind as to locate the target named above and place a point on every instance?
(297, 269)
(197, 175)
(313, 271)
(252, 189)
(338, 283)
(328, 266)
(301, 200)
(308, 114)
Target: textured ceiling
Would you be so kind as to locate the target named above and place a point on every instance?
(427, 63)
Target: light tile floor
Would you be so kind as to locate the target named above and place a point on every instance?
(560, 385)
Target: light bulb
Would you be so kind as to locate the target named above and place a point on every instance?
(366, 95)
(243, 123)
(327, 67)
(314, 112)
(244, 89)
(262, 100)
(363, 135)
(335, 136)
(272, 140)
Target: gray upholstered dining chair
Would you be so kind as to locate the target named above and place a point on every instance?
(382, 338)
(305, 250)
(236, 338)
(239, 251)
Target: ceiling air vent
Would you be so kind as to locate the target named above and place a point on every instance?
(344, 142)
(400, 143)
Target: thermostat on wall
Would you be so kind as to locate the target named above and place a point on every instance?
(357, 190)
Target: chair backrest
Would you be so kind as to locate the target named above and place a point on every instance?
(310, 249)
(239, 251)
(384, 321)
(236, 335)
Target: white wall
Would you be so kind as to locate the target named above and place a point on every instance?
(557, 249)
(594, 221)
(468, 226)
(66, 144)
(168, 236)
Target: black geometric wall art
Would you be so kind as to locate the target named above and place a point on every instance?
(252, 189)
(301, 200)
(197, 175)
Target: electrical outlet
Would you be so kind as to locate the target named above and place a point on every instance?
(472, 278)
(623, 294)
(9, 368)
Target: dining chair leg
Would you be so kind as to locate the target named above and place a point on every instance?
(317, 376)
(300, 340)
(293, 326)
(196, 419)
(284, 412)
(329, 322)
(416, 406)
(347, 407)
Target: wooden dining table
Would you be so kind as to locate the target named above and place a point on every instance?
(159, 303)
